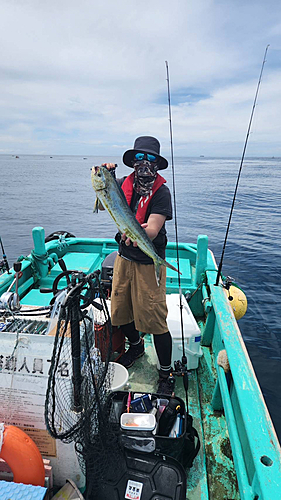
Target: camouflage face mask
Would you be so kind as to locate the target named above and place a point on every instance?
(145, 175)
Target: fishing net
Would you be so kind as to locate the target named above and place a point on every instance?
(77, 404)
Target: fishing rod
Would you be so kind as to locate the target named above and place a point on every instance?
(180, 366)
(240, 169)
(5, 260)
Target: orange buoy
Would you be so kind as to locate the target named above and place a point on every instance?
(22, 456)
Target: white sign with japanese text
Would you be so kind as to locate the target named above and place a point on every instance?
(133, 490)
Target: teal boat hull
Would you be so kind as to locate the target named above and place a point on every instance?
(240, 456)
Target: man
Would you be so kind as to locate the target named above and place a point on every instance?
(137, 302)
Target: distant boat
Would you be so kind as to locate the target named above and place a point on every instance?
(51, 157)
(202, 156)
(85, 158)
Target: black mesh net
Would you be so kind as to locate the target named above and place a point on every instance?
(77, 401)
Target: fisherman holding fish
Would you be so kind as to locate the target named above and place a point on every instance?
(138, 299)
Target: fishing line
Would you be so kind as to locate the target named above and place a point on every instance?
(184, 359)
(241, 165)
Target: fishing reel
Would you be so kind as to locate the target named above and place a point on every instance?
(10, 300)
(227, 282)
(3, 267)
(236, 297)
(79, 285)
(180, 369)
(78, 282)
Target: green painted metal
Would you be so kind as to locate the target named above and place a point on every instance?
(221, 473)
(39, 253)
(206, 300)
(240, 456)
(217, 403)
(38, 234)
(201, 258)
(208, 332)
(256, 451)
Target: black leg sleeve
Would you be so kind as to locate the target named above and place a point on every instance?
(163, 346)
(131, 333)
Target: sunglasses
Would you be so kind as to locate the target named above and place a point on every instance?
(140, 156)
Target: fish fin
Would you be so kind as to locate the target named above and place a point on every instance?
(165, 263)
(96, 206)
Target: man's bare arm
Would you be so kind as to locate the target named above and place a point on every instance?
(152, 228)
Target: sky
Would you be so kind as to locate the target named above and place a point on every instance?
(88, 77)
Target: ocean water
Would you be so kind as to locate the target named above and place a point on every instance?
(56, 193)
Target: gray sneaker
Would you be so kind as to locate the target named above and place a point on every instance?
(166, 385)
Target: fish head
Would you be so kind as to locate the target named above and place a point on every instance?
(99, 178)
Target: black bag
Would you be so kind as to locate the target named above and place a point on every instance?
(150, 476)
(183, 448)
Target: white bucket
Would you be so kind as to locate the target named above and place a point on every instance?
(120, 376)
(68, 492)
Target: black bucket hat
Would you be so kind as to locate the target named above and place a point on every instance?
(145, 144)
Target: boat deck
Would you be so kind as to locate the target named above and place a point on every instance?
(212, 476)
(226, 405)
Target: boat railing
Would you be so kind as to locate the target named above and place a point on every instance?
(255, 447)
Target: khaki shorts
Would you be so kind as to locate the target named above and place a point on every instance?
(136, 296)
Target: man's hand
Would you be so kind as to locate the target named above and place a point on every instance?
(128, 241)
(109, 166)
(152, 228)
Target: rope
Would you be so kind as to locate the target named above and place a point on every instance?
(34, 271)
(39, 257)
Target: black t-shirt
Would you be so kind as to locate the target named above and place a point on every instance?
(160, 203)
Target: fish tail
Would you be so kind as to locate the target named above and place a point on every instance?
(165, 263)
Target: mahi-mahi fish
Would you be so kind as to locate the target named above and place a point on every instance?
(113, 199)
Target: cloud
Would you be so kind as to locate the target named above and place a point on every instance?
(80, 77)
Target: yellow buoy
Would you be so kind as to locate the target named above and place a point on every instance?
(238, 301)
